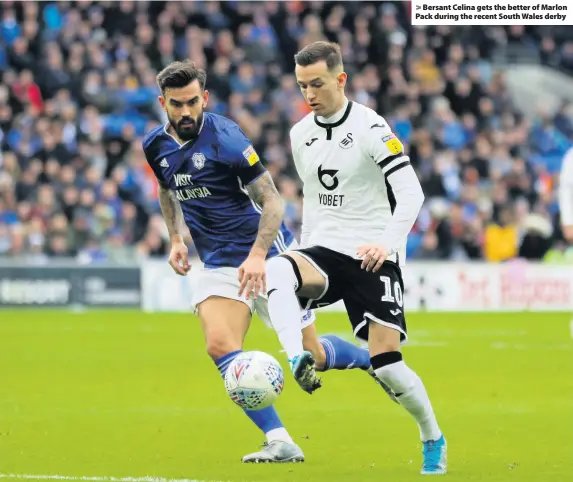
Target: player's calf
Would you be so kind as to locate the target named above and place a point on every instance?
(283, 280)
(225, 323)
(288, 277)
(284, 308)
(343, 355)
(267, 419)
(332, 352)
(410, 392)
(218, 347)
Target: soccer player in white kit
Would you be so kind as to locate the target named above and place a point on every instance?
(566, 196)
(361, 199)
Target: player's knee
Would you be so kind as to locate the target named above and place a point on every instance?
(282, 273)
(218, 347)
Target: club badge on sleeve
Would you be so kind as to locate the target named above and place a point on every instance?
(251, 155)
(393, 144)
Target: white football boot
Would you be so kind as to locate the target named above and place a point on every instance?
(275, 452)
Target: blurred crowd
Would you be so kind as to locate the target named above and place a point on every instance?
(78, 92)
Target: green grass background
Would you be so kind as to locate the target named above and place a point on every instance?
(131, 394)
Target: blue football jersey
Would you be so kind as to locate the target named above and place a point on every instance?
(209, 175)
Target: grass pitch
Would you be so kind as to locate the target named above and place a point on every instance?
(125, 394)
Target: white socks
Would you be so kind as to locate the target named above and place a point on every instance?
(412, 396)
(284, 308)
(279, 434)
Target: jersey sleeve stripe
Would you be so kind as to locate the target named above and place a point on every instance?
(252, 173)
(397, 168)
(395, 161)
(384, 162)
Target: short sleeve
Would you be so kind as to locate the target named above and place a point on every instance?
(238, 152)
(151, 156)
(385, 148)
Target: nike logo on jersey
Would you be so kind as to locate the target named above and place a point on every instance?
(309, 143)
(381, 126)
(164, 163)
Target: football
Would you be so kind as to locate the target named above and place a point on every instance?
(254, 380)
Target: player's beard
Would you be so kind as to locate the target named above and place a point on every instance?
(187, 132)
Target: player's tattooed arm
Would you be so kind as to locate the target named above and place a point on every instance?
(172, 213)
(264, 193)
(171, 209)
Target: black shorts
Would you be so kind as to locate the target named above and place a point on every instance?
(368, 296)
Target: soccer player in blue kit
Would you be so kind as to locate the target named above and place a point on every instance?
(212, 181)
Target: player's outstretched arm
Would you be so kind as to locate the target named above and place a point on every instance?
(252, 273)
(171, 209)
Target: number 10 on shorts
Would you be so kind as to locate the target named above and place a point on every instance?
(397, 291)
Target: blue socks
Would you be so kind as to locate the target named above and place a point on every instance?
(266, 419)
(340, 355)
(343, 355)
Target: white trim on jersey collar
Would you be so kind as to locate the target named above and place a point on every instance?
(166, 126)
(334, 117)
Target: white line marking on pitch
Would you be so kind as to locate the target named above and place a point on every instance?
(95, 478)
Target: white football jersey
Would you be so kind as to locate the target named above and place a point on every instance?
(351, 165)
(566, 189)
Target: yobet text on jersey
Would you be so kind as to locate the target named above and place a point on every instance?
(334, 200)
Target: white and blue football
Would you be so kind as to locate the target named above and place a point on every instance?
(254, 380)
